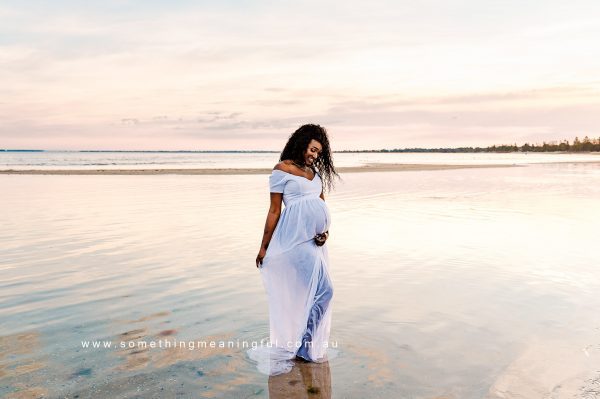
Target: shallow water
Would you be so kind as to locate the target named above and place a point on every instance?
(453, 283)
(169, 160)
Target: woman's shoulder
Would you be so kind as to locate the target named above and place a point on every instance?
(284, 166)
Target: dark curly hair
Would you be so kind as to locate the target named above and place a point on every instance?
(298, 143)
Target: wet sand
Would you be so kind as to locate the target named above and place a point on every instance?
(371, 167)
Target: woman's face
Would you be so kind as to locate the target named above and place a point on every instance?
(313, 151)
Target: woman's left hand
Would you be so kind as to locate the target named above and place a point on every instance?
(321, 238)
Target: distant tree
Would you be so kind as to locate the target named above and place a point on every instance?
(587, 144)
(564, 145)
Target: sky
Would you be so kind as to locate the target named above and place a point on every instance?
(243, 75)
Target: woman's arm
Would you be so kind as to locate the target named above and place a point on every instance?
(272, 218)
(270, 224)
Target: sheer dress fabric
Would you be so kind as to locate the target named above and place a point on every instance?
(295, 275)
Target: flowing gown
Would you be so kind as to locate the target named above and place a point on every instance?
(295, 275)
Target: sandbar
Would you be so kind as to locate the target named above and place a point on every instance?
(370, 167)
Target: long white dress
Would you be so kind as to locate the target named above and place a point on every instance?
(296, 278)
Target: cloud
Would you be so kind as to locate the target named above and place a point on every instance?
(200, 72)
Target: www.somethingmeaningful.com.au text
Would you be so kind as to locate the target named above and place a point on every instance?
(192, 345)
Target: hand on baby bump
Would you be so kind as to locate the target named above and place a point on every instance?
(321, 238)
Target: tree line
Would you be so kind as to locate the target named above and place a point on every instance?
(585, 145)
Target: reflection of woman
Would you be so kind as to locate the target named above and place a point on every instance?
(308, 380)
(293, 258)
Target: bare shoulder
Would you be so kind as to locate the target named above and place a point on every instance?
(283, 166)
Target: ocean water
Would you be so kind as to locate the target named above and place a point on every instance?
(466, 283)
(149, 160)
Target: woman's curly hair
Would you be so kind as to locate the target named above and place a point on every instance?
(298, 143)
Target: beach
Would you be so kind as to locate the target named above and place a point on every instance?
(444, 246)
(450, 281)
(369, 167)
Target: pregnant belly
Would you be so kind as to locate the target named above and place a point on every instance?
(320, 216)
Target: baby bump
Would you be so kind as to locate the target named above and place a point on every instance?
(319, 215)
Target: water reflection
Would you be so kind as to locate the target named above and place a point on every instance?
(442, 277)
(306, 380)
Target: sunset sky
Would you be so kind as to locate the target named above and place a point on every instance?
(243, 75)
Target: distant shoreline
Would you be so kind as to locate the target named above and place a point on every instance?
(393, 151)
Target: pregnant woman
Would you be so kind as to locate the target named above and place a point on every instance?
(293, 258)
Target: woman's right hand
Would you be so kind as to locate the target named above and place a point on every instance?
(260, 256)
